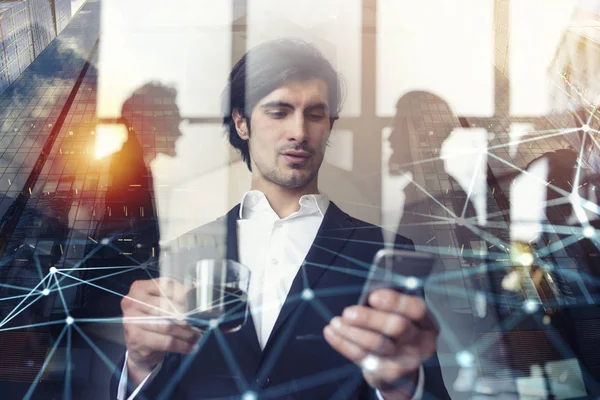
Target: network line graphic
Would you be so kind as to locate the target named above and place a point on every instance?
(507, 275)
(59, 279)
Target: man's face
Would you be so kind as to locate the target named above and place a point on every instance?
(172, 130)
(400, 145)
(289, 132)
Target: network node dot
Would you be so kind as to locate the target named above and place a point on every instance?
(213, 323)
(104, 241)
(46, 292)
(249, 396)
(460, 221)
(412, 283)
(530, 306)
(370, 363)
(69, 320)
(525, 259)
(574, 198)
(465, 359)
(308, 294)
(585, 128)
(589, 232)
(52, 270)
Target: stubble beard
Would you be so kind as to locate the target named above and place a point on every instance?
(293, 181)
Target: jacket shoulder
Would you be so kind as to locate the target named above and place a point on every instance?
(372, 232)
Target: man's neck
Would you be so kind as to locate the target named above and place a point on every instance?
(284, 201)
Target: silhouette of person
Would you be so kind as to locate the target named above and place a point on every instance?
(574, 75)
(417, 159)
(576, 90)
(574, 315)
(434, 210)
(128, 232)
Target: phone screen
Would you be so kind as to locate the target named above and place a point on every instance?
(404, 271)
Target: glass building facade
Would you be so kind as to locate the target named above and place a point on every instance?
(27, 27)
(42, 24)
(61, 11)
(17, 45)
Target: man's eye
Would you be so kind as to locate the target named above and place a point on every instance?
(316, 117)
(277, 114)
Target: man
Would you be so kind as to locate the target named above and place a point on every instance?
(128, 211)
(283, 100)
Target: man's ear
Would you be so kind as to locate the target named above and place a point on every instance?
(240, 124)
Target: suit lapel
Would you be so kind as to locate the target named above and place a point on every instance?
(248, 331)
(232, 237)
(331, 237)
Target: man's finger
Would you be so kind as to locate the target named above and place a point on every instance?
(145, 296)
(393, 325)
(162, 287)
(146, 304)
(389, 300)
(171, 289)
(350, 350)
(368, 340)
(154, 341)
(169, 328)
(141, 322)
(412, 307)
(386, 368)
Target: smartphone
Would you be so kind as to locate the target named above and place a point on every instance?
(400, 270)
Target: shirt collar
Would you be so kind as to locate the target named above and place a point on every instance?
(256, 200)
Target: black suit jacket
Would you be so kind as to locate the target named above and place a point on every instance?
(297, 362)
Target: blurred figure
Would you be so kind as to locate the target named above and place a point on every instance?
(423, 125)
(424, 201)
(574, 75)
(570, 272)
(127, 233)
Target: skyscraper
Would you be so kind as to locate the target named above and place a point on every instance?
(26, 28)
(16, 47)
(42, 24)
(61, 9)
(43, 106)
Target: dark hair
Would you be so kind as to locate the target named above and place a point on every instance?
(267, 67)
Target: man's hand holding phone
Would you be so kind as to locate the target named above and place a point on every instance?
(390, 333)
(389, 339)
(151, 325)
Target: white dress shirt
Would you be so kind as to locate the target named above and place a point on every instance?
(273, 249)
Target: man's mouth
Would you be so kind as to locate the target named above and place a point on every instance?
(296, 157)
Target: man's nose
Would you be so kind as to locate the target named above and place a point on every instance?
(298, 130)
